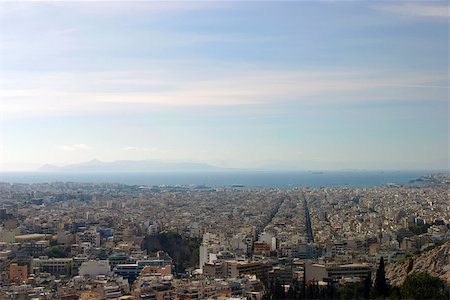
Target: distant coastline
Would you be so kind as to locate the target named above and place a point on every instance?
(262, 179)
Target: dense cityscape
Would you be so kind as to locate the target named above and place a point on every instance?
(224, 150)
(114, 241)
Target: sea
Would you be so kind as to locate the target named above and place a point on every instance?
(255, 179)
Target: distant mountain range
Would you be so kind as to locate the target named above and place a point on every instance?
(130, 166)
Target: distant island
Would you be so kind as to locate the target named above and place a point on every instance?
(130, 166)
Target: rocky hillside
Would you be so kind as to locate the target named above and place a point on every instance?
(184, 252)
(435, 261)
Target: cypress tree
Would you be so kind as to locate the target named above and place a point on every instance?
(279, 290)
(331, 290)
(367, 287)
(296, 288)
(272, 290)
(381, 287)
(291, 292)
(303, 288)
(410, 265)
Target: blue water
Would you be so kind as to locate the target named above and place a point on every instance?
(217, 179)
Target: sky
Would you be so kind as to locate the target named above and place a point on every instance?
(292, 85)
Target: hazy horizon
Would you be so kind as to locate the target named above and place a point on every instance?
(293, 85)
(268, 167)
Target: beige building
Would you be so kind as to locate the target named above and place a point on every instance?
(54, 266)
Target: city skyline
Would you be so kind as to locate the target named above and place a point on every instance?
(294, 85)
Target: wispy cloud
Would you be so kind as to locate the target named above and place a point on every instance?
(418, 9)
(140, 149)
(55, 93)
(81, 146)
(73, 147)
(109, 7)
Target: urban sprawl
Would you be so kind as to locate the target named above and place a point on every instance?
(114, 241)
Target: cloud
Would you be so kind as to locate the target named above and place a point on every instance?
(418, 9)
(32, 94)
(73, 147)
(141, 149)
(81, 146)
(108, 7)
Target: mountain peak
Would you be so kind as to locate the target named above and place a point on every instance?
(93, 161)
(96, 165)
(48, 168)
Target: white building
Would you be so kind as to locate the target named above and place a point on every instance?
(93, 268)
(269, 239)
(210, 245)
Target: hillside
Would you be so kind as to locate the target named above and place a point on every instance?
(435, 261)
(183, 251)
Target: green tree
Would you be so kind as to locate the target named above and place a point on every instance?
(380, 286)
(422, 285)
(353, 290)
(68, 268)
(58, 252)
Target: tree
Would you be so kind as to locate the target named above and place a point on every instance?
(278, 290)
(424, 286)
(354, 290)
(303, 288)
(291, 292)
(68, 268)
(58, 252)
(381, 287)
(331, 290)
(367, 287)
(410, 266)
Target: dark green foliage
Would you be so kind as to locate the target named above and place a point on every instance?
(419, 229)
(303, 288)
(278, 291)
(275, 290)
(395, 293)
(436, 245)
(410, 265)
(58, 252)
(68, 269)
(355, 290)
(424, 286)
(367, 287)
(380, 286)
(297, 288)
(291, 293)
(104, 254)
(416, 286)
(331, 291)
(313, 291)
